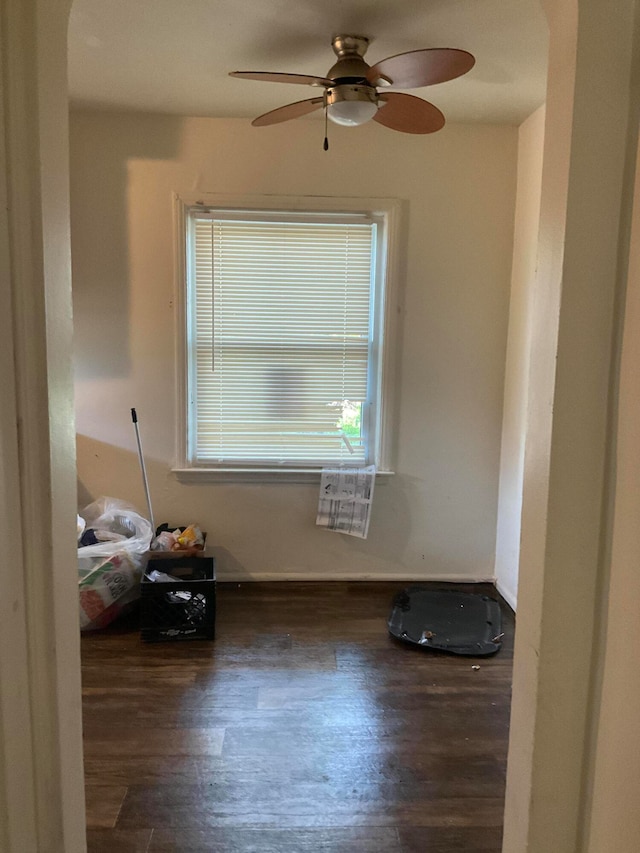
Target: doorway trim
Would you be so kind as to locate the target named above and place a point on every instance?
(583, 244)
(41, 774)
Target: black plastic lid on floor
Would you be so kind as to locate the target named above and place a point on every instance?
(458, 622)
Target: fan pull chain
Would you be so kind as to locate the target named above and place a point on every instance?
(326, 138)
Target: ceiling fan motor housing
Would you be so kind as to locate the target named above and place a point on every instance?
(350, 65)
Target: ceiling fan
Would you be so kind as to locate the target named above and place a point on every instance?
(350, 89)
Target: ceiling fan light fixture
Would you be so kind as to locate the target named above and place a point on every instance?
(351, 105)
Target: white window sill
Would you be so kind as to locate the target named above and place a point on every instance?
(257, 475)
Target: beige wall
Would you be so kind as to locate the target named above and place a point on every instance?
(437, 516)
(525, 246)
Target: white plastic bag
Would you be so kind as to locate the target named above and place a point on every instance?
(109, 572)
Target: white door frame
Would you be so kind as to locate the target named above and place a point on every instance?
(590, 148)
(565, 523)
(41, 774)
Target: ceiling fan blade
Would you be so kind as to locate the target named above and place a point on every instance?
(295, 110)
(277, 77)
(421, 67)
(408, 113)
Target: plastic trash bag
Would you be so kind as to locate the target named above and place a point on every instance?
(109, 572)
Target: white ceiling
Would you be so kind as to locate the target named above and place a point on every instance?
(172, 56)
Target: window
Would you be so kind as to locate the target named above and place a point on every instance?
(284, 337)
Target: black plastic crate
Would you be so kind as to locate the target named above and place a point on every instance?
(184, 609)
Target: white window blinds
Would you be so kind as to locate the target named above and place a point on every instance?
(279, 339)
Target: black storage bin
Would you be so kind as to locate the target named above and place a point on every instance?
(184, 609)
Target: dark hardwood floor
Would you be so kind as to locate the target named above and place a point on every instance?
(302, 728)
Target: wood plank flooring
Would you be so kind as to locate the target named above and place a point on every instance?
(303, 728)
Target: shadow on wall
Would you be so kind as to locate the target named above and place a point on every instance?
(84, 495)
(107, 465)
(271, 535)
(101, 261)
(117, 471)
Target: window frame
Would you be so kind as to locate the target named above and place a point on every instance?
(386, 213)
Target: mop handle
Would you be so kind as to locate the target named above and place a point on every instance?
(134, 418)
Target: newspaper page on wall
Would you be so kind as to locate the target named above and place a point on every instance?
(346, 495)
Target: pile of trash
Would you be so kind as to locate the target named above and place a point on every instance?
(186, 540)
(113, 547)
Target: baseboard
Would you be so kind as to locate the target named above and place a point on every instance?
(381, 577)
